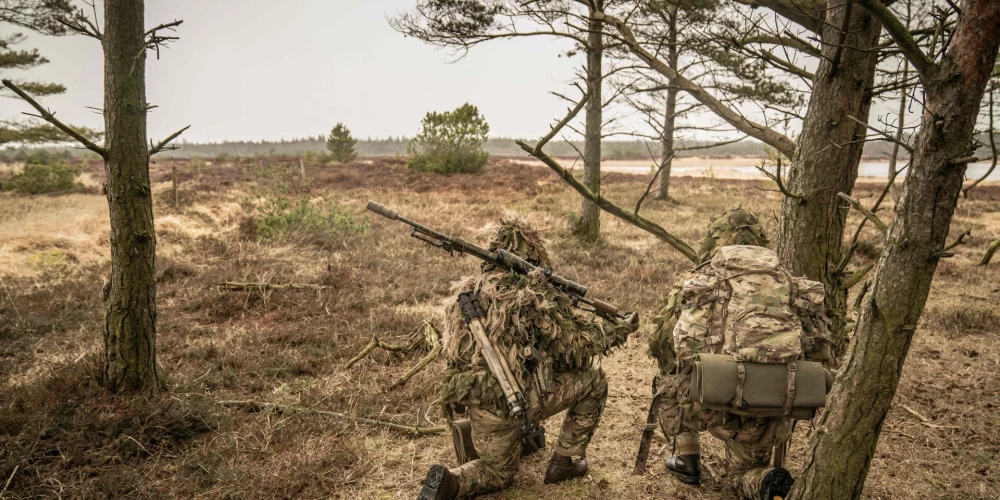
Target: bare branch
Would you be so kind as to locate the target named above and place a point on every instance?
(82, 24)
(946, 251)
(855, 204)
(884, 135)
(50, 117)
(910, 48)
(611, 208)
(993, 148)
(857, 232)
(776, 177)
(562, 123)
(163, 144)
(170, 26)
(858, 275)
(807, 13)
(765, 134)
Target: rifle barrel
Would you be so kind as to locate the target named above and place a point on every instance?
(501, 257)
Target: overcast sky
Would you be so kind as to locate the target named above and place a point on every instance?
(264, 69)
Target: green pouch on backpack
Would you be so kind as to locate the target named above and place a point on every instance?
(796, 389)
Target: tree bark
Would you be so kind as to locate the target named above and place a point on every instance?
(129, 360)
(589, 225)
(828, 153)
(840, 454)
(669, 112)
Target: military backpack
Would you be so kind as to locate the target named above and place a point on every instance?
(744, 305)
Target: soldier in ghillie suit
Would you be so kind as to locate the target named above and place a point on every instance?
(525, 317)
(748, 440)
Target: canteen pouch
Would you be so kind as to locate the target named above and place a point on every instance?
(796, 389)
(461, 436)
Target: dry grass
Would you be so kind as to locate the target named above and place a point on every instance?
(66, 438)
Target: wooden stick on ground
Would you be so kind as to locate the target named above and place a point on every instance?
(422, 337)
(435, 341)
(232, 286)
(408, 429)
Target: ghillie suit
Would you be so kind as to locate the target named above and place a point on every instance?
(692, 322)
(551, 348)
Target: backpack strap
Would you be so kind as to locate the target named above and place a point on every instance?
(741, 376)
(790, 389)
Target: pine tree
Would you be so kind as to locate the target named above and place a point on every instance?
(341, 144)
(41, 16)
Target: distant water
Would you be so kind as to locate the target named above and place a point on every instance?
(866, 169)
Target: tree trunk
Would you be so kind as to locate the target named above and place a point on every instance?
(840, 454)
(129, 360)
(589, 225)
(828, 153)
(670, 110)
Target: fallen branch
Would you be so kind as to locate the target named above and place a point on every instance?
(855, 204)
(435, 350)
(408, 429)
(990, 250)
(231, 286)
(924, 420)
(425, 336)
(9, 479)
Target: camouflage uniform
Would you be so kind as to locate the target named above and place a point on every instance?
(749, 441)
(525, 311)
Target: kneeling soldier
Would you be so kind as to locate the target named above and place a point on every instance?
(550, 350)
(741, 304)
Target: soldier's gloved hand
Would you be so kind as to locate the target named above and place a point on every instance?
(632, 320)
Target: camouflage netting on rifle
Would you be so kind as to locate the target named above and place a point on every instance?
(521, 311)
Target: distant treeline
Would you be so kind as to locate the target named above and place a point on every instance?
(503, 146)
(392, 146)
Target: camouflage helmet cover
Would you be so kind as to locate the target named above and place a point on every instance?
(520, 238)
(735, 227)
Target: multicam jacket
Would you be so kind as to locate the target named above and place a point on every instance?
(522, 311)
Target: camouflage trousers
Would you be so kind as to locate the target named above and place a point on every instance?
(497, 437)
(749, 440)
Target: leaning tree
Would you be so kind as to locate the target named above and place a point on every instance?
(954, 81)
(129, 354)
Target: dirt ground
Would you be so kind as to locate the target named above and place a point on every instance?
(62, 436)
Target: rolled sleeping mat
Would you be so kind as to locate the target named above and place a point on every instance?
(715, 384)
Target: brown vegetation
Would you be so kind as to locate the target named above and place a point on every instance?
(60, 435)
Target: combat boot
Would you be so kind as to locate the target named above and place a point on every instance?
(563, 468)
(686, 468)
(776, 484)
(440, 484)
